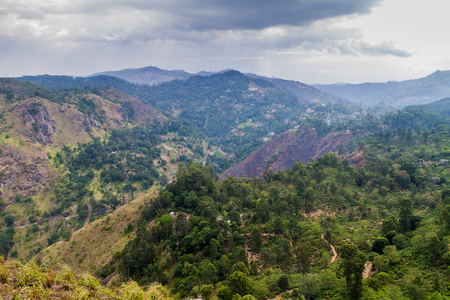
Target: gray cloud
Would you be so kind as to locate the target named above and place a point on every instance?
(249, 14)
(85, 36)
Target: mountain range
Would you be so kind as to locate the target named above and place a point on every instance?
(397, 94)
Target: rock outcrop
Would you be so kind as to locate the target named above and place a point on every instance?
(23, 174)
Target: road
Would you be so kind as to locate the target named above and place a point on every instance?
(211, 153)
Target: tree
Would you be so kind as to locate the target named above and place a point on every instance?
(206, 291)
(257, 238)
(224, 293)
(9, 220)
(379, 244)
(303, 257)
(283, 282)
(405, 214)
(390, 224)
(352, 266)
(239, 283)
(309, 199)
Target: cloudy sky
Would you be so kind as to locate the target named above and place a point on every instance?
(313, 41)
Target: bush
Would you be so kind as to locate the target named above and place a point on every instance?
(283, 283)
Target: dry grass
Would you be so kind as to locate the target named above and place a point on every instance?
(95, 244)
(31, 281)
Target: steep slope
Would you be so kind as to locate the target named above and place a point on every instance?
(147, 75)
(283, 151)
(95, 244)
(441, 107)
(77, 154)
(34, 127)
(397, 94)
(303, 91)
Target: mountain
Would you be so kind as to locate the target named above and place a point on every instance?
(303, 91)
(292, 233)
(79, 153)
(236, 112)
(153, 75)
(397, 94)
(441, 107)
(284, 150)
(60, 82)
(34, 124)
(373, 222)
(147, 75)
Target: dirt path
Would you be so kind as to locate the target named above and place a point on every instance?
(86, 221)
(286, 292)
(368, 270)
(333, 249)
(211, 153)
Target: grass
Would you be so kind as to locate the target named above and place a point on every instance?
(31, 281)
(98, 247)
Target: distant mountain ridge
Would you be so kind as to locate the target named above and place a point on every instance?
(394, 93)
(302, 90)
(147, 75)
(154, 75)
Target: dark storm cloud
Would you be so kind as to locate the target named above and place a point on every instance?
(251, 14)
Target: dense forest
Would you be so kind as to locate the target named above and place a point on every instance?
(262, 237)
(273, 235)
(369, 222)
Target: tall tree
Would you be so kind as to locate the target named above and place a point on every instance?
(405, 214)
(352, 266)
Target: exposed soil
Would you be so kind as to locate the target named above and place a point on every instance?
(287, 148)
(23, 174)
(333, 249)
(368, 270)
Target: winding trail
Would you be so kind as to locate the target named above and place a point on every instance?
(209, 154)
(333, 249)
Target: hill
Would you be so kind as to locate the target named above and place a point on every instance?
(153, 76)
(78, 153)
(284, 150)
(397, 94)
(147, 75)
(301, 90)
(95, 245)
(231, 109)
(377, 213)
(278, 236)
(315, 138)
(441, 107)
(235, 112)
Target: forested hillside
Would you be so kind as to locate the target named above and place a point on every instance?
(387, 220)
(234, 112)
(368, 221)
(72, 155)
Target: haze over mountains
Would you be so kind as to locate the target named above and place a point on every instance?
(397, 94)
(394, 93)
(154, 75)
